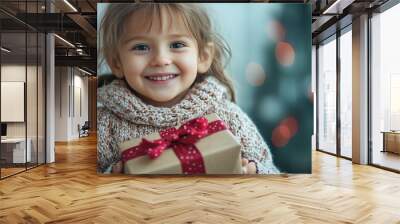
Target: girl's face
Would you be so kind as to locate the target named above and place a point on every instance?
(160, 61)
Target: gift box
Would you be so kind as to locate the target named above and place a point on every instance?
(200, 146)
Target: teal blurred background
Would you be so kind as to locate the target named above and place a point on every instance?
(271, 67)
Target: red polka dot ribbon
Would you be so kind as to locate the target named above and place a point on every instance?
(182, 141)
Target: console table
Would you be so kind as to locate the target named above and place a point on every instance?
(13, 150)
(391, 141)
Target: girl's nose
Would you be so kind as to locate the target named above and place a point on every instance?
(161, 59)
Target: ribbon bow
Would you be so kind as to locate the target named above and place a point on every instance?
(182, 141)
(188, 134)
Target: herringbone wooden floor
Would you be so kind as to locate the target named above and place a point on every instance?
(70, 191)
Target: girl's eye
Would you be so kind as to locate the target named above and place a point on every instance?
(141, 47)
(177, 45)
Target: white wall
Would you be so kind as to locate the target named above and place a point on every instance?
(33, 126)
(79, 117)
(70, 83)
(17, 73)
(12, 101)
(13, 72)
(61, 103)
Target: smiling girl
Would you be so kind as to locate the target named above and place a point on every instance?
(170, 69)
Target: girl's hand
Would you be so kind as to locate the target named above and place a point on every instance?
(117, 167)
(248, 167)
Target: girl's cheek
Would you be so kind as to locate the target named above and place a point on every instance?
(139, 63)
(191, 61)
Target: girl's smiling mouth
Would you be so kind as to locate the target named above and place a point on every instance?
(160, 77)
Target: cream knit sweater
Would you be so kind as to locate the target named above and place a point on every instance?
(122, 116)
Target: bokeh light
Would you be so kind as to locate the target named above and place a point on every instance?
(279, 137)
(292, 124)
(285, 130)
(255, 74)
(275, 31)
(284, 53)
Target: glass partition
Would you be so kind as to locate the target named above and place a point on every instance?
(41, 109)
(31, 98)
(13, 104)
(327, 96)
(346, 93)
(22, 79)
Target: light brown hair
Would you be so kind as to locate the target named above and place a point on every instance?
(195, 18)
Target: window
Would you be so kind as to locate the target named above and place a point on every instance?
(346, 93)
(385, 88)
(327, 96)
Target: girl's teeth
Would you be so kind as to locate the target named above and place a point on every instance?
(161, 78)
